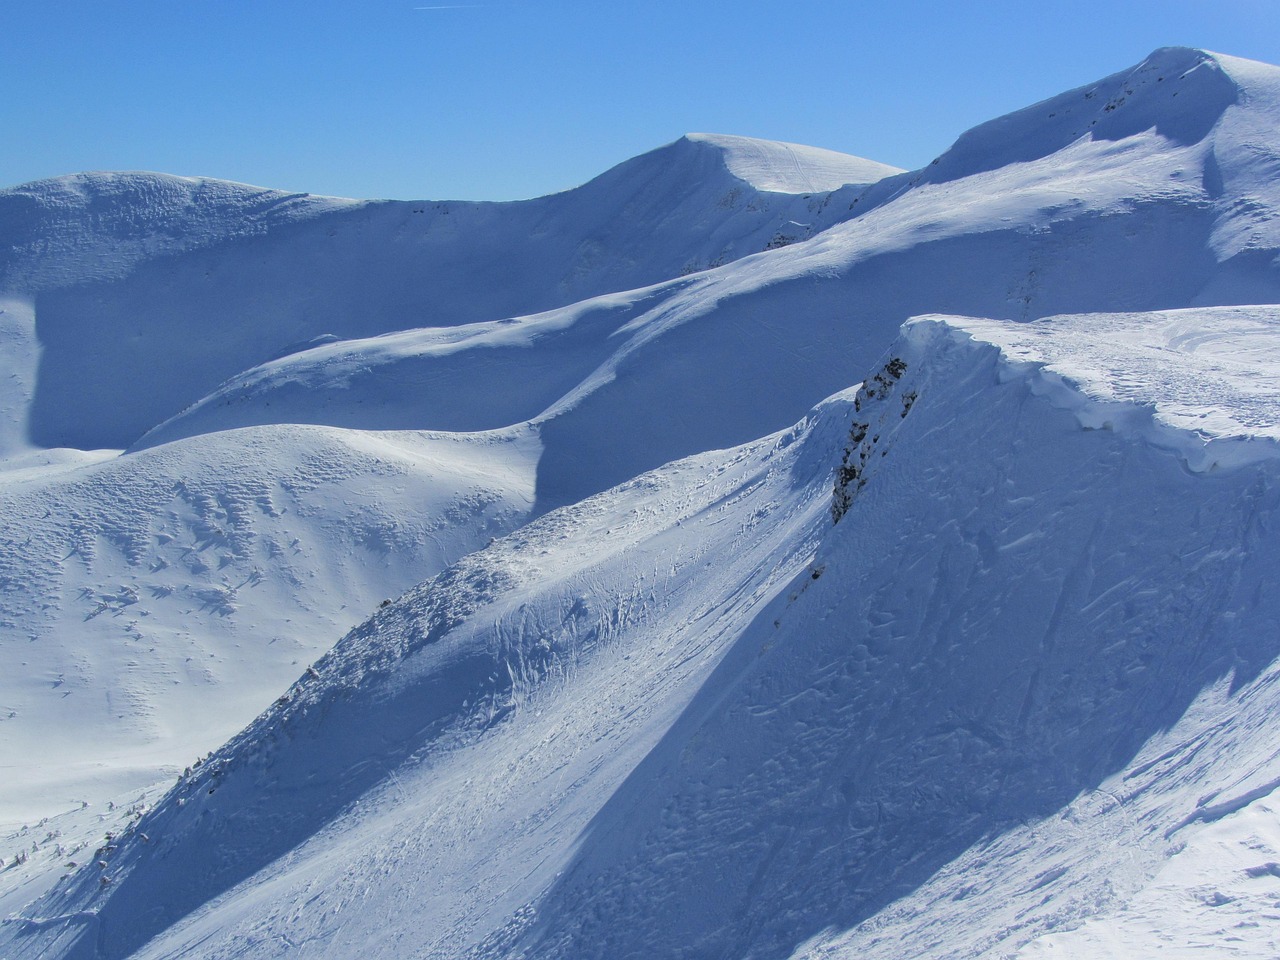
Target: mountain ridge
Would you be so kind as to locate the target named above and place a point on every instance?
(626, 689)
(1099, 225)
(453, 636)
(215, 288)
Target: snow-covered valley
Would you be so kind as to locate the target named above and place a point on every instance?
(755, 552)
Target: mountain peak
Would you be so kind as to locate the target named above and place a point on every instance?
(778, 167)
(1179, 92)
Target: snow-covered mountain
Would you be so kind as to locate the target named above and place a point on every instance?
(170, 594)
(151, 290)
(716, 652)
(1077, 223)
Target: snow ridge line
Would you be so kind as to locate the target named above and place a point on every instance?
(1216, 811)
(1087, 399)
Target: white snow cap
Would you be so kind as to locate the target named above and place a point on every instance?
(791, 167)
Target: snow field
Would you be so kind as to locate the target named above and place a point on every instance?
(500, 711)
(181, 585)
(185, 586)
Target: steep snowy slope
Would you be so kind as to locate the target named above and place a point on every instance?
(151, 290)
(1043, 627)
(164, 599)
(1152, 189)
(489, 711)
(693, 716)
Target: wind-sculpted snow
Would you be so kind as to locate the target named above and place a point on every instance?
(792, 167)
(479, 376)
(1010, 608)
(184, 586)
(1203, 382)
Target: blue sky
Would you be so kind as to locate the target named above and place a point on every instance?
(516, 98)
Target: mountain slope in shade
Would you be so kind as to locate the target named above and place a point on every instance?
(150, 290)
(1021, 619)
(179, 590)
(691, 714)
(1128, 219)
(625, 382)
(608, 596)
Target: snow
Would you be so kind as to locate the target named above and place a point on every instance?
(184, 586)
(1142, 100)
(608, 681)
(96, 226)
(592, 627)
(21, 352)
(792, 167)
(218, 277)
(632, 701)
(180, 587)
(1203, 382)
(966, 664)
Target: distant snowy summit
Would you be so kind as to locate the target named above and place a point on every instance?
(115, 220)
(1177, 92)
(778, 167)
(97, 226)
(1167, 159)
(210, 278)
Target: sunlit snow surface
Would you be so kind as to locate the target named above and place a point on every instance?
(1003, 696)
(792, 167)
(1211, 374)
(646, 698)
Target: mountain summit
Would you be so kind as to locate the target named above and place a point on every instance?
(773, 166)
(1179, 93)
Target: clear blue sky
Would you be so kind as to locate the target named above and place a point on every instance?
(424, 99)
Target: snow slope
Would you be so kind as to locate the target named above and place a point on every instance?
(686, 714)
(692, 715)
(151, 290)
(595, 624)
(165, 597)
(1129, 217)
(1015, 618)
(791, 167)
(162, 599)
